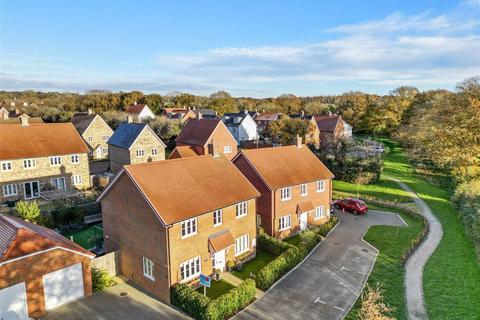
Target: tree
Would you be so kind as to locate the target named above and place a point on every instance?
(28, 211)
(286, 129)
(222, 102)
(289, 103)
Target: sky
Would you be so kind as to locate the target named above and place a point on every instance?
(257, 48)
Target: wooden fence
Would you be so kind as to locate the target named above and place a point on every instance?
(108, 262)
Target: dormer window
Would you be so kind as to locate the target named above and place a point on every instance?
(285, 193)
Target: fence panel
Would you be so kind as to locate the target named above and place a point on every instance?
(108, 262)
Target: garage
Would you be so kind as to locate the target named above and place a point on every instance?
(13, 302)
(63, 286)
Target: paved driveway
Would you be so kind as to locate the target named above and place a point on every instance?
(109, 305)
(329, 282)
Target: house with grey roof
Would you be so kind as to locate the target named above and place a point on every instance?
(241, 125)
(94, 131)
(134, 143)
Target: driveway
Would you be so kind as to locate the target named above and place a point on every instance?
(329, 281)
(109, 305)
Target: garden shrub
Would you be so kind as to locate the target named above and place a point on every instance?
(28, 210)
(324, 229)
(68, 215)
(271, 244)
(189, 300)
(101, 280)
(309, 239)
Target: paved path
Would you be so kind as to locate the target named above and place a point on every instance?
(329, 281)
(416, 263)
(110, 305)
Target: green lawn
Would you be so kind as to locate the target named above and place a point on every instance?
(253, 266)
(82, 237)
(385, 189)
(217, 288)
(393, 243)
(452, 274)
(295, 240)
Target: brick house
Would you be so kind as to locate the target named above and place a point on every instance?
(264, 119)
(205, 136)
(295, 187)
(134, 143)
(182, 114)
(94, 131)
(313, 135)
(140, 112)
(41, 156)
(332, 127)
(182, 217)
(39, 269)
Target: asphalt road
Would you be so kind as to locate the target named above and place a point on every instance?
(329, 281)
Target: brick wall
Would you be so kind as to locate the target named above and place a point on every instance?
(31, 269)
(118, 157)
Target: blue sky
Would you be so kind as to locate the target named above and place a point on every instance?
(248, 48)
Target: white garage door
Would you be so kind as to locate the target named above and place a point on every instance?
(13, 303)
(62, 286)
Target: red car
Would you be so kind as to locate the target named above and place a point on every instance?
(354, 206)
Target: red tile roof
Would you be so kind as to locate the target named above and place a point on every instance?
(267, 116)
(39, 140)
(221, 240)
(135, 108)
(19, 238)
(198, 131)
(182, 152)
(286, 166)
(327, 123)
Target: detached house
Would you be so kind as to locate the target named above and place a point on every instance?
(39, 269)
(134, 143)
(140, 112)
(40, 156)
(241, 125)
(295, 187)
(264, 119)
(205, 136)
(181, 114)
(332, 127)
(94, 131)
(181, 218)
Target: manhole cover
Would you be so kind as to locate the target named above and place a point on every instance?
(364, 250)
(336, 243)
(123, 294)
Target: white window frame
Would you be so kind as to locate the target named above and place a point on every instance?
(285, 223)
(148, 268)
(140, 153)
(90, 139)
(6, 166)
(242, 244)
(217, 217)
(320, 185)
(304, 190)
(320, 212)
(55, 161)
(32, 164)
(10, 190)
(241, 209)
(104, 150)
(286, 193)
(76, 180)
(75, 159)
(227, 149)
(190, 269)
(189, 228)
(59, 179)
(154, 152)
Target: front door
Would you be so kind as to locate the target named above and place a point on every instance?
(303, 221)
(99, 152)
(31, 189)
(219, 259)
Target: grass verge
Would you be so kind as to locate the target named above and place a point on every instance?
(82, 237)
(261, 259)
(217, 288)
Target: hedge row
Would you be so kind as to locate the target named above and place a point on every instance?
(324, 229)
(203, 308)
(270, 244)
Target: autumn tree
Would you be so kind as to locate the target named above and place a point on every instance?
(286, 129)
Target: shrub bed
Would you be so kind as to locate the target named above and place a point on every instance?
(203, 308)
(101, 280)
(324, 229)
(272, 245)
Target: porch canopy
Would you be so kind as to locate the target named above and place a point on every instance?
(306, 206)
(221, 240)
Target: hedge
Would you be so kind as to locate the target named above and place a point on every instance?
(271, 244)
(324, 229)
(203, 308)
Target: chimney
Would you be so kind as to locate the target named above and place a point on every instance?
(194, 108)
(303, 113)
(90, 111)
(12, 104)
(135, 103)
(129, 118)
(17, 111)
(298, 141)
(24, 120)
(245, 111)
(199, 115)
(214, 149)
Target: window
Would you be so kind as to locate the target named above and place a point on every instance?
(320, 185)
(76, 180)
(6, 166)
(148, 268)
(29, 163)
(89, 138)
(241, 209)
(105, 150)
(189, 227)
(140, 153)
(9, 190)
(55, 161)
(154, 152)
(217, 217)
(241, 245)
(285, 193)
(319, 212)
(227, 149)
(105, 138)
(303, 190)
(190, 269)
(75, 158)
(285, 223)
(59, 183)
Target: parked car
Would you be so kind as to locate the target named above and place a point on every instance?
(379, 149)
(355, 206)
